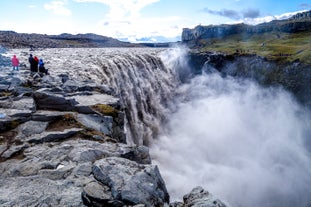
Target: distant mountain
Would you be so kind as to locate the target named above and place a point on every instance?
(11, 39)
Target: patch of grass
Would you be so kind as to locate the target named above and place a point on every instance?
(5, 94)
(66, 121)
(106, 110)
(278, 46)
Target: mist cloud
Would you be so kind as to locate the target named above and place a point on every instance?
(242, 143)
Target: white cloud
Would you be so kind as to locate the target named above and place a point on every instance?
(58, 7)
(121, 9)
(32, 6)
(144, 27)
(124, 20)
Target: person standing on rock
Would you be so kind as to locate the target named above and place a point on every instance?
(15, 63)
(33, 64)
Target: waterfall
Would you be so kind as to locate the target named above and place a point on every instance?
(145, 86)
(247, 145)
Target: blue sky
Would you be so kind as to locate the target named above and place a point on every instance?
(134, 20)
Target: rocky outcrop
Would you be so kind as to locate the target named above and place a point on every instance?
(302, 15)
(126, 183)
(199, 197)
(65, 146)
(298, 23)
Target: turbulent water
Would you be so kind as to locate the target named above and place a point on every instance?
(247, 145)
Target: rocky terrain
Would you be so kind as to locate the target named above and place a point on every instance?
(62, 143)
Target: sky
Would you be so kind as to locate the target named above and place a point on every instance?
(138, 20)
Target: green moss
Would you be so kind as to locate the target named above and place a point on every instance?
(283, 47)
(13, 124)
(106, 110)
(5, 94)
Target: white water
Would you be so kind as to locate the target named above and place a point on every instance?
(244, 144)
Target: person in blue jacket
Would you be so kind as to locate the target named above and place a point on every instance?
(42, 69)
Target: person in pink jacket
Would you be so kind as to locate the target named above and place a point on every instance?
(15, 62)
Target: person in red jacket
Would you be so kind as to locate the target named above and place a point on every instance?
(15, 63)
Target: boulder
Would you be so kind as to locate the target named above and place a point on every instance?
(52, 136)
(131, 183)
(97, 194)
(199, 197)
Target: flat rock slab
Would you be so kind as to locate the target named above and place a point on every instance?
(53, 136)
(51, 101)
(95, 99)
(31, 128)
(17, 112)
(48, 116)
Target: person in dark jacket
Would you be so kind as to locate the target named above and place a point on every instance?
(42, 68)
(33, 64)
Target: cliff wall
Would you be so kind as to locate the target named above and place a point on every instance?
(297, 23)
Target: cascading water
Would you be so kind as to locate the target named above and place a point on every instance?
(145, 87)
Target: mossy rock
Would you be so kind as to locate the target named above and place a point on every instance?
(5, 94)
(65, 121)
(106, 110)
